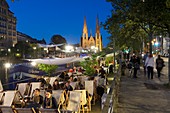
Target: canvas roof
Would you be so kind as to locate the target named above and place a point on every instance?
(57, 61)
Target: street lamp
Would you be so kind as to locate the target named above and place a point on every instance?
(7, 66)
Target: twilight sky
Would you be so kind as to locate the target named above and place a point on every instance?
(44, 18)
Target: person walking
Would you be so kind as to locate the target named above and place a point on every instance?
(150, 65)
(136, 65)
(159, 65)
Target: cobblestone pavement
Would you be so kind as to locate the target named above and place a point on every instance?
(141, 95)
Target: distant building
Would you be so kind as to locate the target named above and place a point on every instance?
(27, 38)
(8, 34)
(92, 42)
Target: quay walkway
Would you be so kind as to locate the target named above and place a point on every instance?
(141, 95)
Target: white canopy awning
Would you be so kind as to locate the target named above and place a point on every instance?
(56, 61)
(48, 46)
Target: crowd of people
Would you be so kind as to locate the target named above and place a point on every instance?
(62, 82)
(148, 64)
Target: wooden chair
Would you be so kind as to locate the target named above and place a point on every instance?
(52, 79)
(1, 87)
(85, 100)
(1, 97)
(73, 85)
(59, 96)
(73, 102)
(34, 85)
(23, 88)
(13, 97)
(91, 89)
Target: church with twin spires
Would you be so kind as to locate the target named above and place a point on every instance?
(92, 42)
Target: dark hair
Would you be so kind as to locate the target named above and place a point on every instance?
(56, 80)
(159, 56)
(49, 91)
(37, 89)
(150, 55)
(75, 80)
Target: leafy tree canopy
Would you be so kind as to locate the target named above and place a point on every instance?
(89, 65)
(47, 68)
(133, 20)
(58, 39)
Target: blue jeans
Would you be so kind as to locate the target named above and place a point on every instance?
(150, 72)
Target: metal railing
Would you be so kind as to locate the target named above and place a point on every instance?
(109, 101)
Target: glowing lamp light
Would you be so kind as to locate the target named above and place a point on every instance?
(18, 55)
(7, 65)
(93, 47)
(34, 48)
(156, 43)
(69, 48)
(33, 63)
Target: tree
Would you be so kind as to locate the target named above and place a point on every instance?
(136, 15)
(89, 65)
(58, 39)
(47, 68)
(124, 32)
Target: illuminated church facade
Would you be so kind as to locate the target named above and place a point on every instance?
(91, 42)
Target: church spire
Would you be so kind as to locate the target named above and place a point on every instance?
(85, 31)
(97, 26)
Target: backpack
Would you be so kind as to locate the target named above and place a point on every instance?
(160, 63)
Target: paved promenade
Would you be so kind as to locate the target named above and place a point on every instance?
(141, 95)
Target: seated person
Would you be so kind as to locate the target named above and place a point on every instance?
(37, 98)
(71, 79)
(62, 75)
(74, 69)
(80, 69)
(96, 73)
(68, 87)
(66, 76)
(102, 71)
(101, 87)
(56, 85)
(79, 86)
(70, 70)
(49, 101)
(47, 85)
(42, 80)
(30, 104)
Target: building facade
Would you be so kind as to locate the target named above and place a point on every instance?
(8, 34)
(24, 37)
(91, 42)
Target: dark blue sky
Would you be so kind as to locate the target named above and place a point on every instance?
(44, 18)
